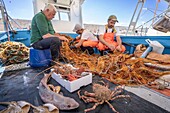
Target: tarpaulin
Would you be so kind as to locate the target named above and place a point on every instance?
(21, 85)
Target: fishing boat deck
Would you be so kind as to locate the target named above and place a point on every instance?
(21, 85)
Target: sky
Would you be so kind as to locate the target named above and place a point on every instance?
(94, 11)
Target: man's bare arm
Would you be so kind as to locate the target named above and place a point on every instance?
(119, 41)
(79, 43)
(55, 35)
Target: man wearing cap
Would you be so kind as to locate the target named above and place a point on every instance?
(43, 35)
(106, 37)
(86, 39)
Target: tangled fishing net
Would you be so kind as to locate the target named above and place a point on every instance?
(13, 52)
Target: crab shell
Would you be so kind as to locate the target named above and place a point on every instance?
(102, 93)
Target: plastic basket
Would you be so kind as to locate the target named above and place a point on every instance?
(39, 58)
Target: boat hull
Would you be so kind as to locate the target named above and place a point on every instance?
(130, 41)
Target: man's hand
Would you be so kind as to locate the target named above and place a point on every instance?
(63, 38)
(47, 35)
(111, 47)
(77, 45)
(77, 38)
(119, 48)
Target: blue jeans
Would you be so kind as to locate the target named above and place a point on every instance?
(52, 43)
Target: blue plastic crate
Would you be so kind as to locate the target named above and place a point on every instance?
(40, 58)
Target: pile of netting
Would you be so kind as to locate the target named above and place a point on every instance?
(13, 52)
(118, 68)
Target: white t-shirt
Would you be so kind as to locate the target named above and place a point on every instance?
(109, 30)
(87, 35)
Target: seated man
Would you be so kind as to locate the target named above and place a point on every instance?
(86, 39)
(43, 35)
(106, 37)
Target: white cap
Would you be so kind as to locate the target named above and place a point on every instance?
(77, 27)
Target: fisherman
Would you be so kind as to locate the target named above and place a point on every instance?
(86, 39)
(106, 37)
(43, 35)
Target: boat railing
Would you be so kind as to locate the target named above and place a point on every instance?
(159, 22)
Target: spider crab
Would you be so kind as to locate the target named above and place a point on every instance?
(100, 95)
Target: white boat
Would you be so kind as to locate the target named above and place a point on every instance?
(73, 11)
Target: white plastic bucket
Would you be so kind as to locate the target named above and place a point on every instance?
(156, 46)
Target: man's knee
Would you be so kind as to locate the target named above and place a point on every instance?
(56, 40)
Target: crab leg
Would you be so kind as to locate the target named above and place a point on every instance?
(94, 107)
(82, 97)
(112, 107)
(114, 92)
(120, 96)
(86, 99)
(89, 94)
(89, 99)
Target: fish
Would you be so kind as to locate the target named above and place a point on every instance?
(16, 107)
(46, 108)
(57, 99)
(159, 66)
(24, 107)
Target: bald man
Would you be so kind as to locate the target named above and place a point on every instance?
(43, 35)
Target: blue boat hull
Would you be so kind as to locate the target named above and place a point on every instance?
(132, 41)
(22, 36)
(135, 40)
